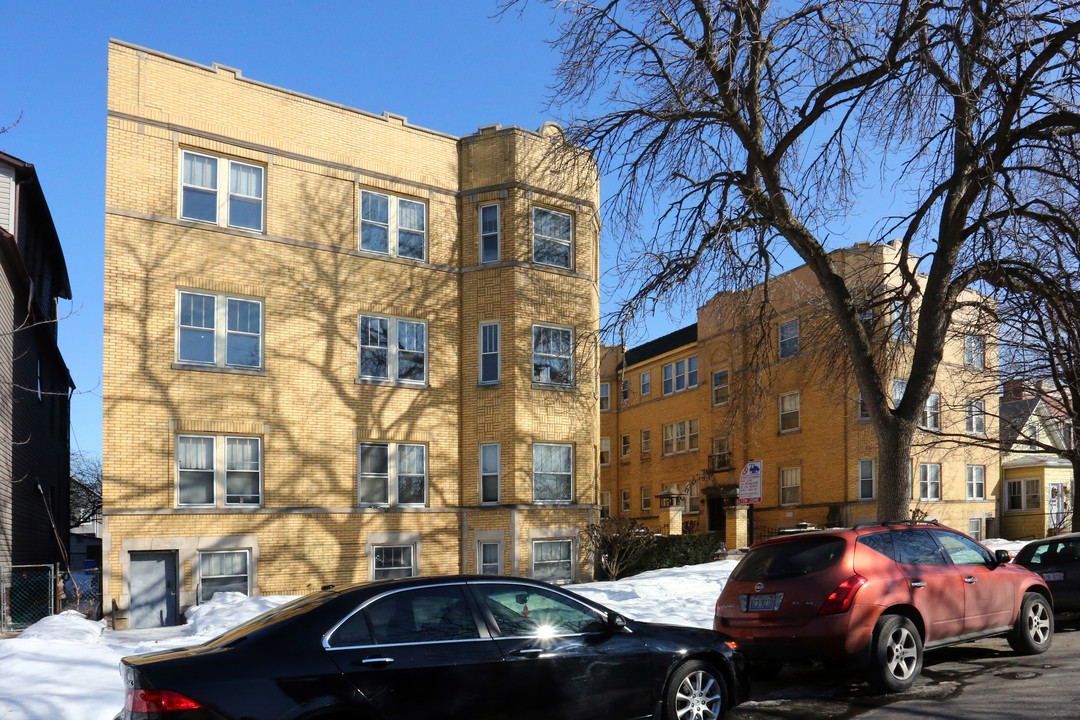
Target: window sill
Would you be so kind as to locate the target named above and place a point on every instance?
(483, 385)
(220, 508)
(392, 383)
(217, 369)
(553, 386)
(793, 431)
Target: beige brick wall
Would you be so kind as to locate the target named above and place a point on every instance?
(306, 403)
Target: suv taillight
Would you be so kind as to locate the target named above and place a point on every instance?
(839, 600)
(156, 701)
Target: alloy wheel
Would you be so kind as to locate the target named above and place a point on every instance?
(699, 697)
(902, 654)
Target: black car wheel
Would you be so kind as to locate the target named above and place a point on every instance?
(1034, 628)
(696, 692)
(896, 655)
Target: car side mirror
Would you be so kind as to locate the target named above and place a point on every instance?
(1002, 556)
(615, 622)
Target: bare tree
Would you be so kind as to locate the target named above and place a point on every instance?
(751, 127)
(616, 542)
(85, 502)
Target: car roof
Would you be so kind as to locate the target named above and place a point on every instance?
(1055, 538)
(381, 586)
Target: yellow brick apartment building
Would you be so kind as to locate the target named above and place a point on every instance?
(682, 414)
(338, 347)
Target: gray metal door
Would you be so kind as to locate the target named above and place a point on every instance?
(153, 589)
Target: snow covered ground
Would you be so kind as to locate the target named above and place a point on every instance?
(66, 667)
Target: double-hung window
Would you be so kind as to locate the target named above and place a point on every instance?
(1023, 494)
(931, 414)
(219, 330)
(975, 351)
(605, 451)
(625, 501)
(605, 396)
(393, 225)
(199, 473)
(405, 464)
(489, 558)
(646, 442)
(680, 375)
(646, 497)
(976, 482)
(929, 481)
(975, 417)
(646, 383)
(790, 411)
(625, 446)
(489, 353)
(238, 203)
(605, 504)
(223, 571)
(553, 237)
(553, 359)
(901, 322)
(866, 479)
(789, 338)
(790, 485)
(489, 473)
(489, 233)
(393, 561)
(625, 397)
(552, 560)
(393, 349)
(553, 472)
(721, 388)
(864, 412)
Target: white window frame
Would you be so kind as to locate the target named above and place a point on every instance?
(928, 483)
(569, 356)
(693, 498)
(605, 504)
(202, 575)
(497, 474)
(646, 442)
(790, 485)
(413, 566)
(796, 411)
(721, 384)
(975, 351)
(392, 350)
(486, 351)
(930, 419)
(693, 431)
(533, 562)
(976, 482)
(605, 397)
(681, 375)
(975, 416)
(625, 501)
(867, 472)
(624, 396)
(788, 337)
(570, 497)
(975, 528)
(482, 235)
(480, 564)
(646, 383)
(393, 227)
(220, 330)
(646, 498)
(625, 445)
(220, 469)
(547, 238)
(393, 476)
(864, 412)
(1025, 495)
(222, 192)
(605, 451)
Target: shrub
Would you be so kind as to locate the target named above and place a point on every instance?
(677, 550)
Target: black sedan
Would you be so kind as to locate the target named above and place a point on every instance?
(450, 647)
(1057, 559)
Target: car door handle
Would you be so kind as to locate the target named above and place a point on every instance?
(374, 661)
(918, 584)
(528, 652)
(969, 580)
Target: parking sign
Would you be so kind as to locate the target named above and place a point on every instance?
(750, 483)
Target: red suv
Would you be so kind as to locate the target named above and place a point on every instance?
(875, 596)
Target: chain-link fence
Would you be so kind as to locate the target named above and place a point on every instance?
(27, 594)
(82, 592)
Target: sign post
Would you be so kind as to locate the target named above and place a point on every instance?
(750, 493)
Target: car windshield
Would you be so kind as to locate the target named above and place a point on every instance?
(790, 558)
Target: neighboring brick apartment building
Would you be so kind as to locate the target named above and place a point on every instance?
(677, 419)
(338, 347)
(34, 381)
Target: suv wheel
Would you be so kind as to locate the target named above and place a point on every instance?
(896, 654)
(1034, 628)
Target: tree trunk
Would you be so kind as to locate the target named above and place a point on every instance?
(1072, 494)
(894, 469)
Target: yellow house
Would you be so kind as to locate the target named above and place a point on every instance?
(1036, 484)
(338, 346)
(681, 415)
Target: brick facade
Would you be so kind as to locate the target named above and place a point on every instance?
(307, 401)
(822, 451)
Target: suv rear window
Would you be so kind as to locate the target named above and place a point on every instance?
(787, 559)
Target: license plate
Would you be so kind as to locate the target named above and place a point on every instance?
(1053, 576)
(759, 603)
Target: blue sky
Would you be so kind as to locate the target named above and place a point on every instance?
(445, 65)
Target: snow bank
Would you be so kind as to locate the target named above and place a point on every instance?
(225, 611)
(67, 627)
